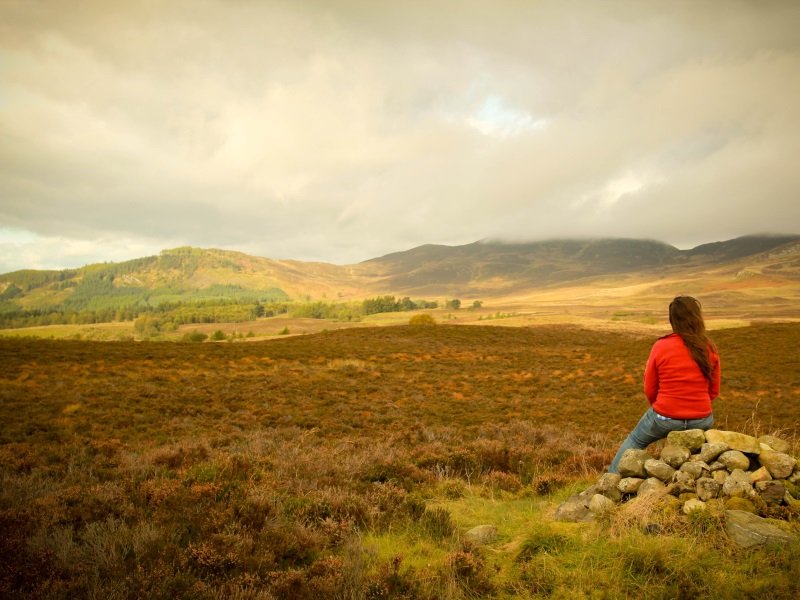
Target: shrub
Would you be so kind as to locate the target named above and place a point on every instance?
(218, 335)
(423, 319)
(195, 336)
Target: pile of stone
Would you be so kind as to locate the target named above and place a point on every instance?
(746, 474)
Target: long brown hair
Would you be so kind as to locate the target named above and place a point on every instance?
(686, 318)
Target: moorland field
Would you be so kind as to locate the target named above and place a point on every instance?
(350, 464)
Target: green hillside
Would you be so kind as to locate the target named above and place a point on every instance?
(207, 281)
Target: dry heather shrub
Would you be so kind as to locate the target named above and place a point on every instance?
(109, 448)
(323, 579)
(332, 503)
(290, 543)
(179, 455)
(158, 491)
(391, 581)
(17, 457)
(469, 572)
(497, 480)
(84, 504)
(258, 505)
(385, 503)
(219, 553)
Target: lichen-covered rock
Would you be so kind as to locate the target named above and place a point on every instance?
(795, 476)
(607, 486)
(720, 476)
(692, 505)
(482, 534)
(693, 439)
(600, 504)
(747, 529)
(675, 456)
(574, 510)
(632, 463)
(771, 492)
(708, 488)
(716, 466)
(658, 469)
(710, 452)
(629, 485)
(734, 459)
(775, 444)
(696, 469)
(738, 484)
(779, 465)
(650, 486)
(734, 440)
(761, 474)
(683, 482)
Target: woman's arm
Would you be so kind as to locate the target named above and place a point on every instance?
(651, 378)
(714, 380)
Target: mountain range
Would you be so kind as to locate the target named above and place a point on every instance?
(482, 269)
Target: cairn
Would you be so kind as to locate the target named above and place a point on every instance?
(750, 476)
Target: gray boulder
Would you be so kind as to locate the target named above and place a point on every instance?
(779, 465)
(482, 534)
(650, 486)
(607, 486)
(658, 469)
(710, 452)
(771, 492)
(632, 463)
(675, 456)
(629, 485)
(708, 488)
(738, 485)
(734, 440)
(692, 505)
(761, 474)
(575, 510)
(683, 483)
(747, 530)
(734, 459)
(696, 469)
(775, 444)
(600, 504)
(693, 439)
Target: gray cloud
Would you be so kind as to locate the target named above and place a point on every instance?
(343, 130)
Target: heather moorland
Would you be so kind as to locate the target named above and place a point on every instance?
(351, 464)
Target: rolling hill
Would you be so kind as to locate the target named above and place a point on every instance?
(484, 269)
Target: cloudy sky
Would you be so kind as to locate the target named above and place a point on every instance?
(343, 130)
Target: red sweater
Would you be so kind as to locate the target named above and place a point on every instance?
(674, 384)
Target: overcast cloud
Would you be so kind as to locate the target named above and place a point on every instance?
(341, 131)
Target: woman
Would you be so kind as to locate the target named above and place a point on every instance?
(680, 380)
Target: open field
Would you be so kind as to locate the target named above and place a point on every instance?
(349, 464)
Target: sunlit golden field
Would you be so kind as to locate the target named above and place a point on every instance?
(348, 464)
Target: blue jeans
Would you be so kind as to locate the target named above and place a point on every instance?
(651, 428)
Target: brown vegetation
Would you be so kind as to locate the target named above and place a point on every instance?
(253, 470)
